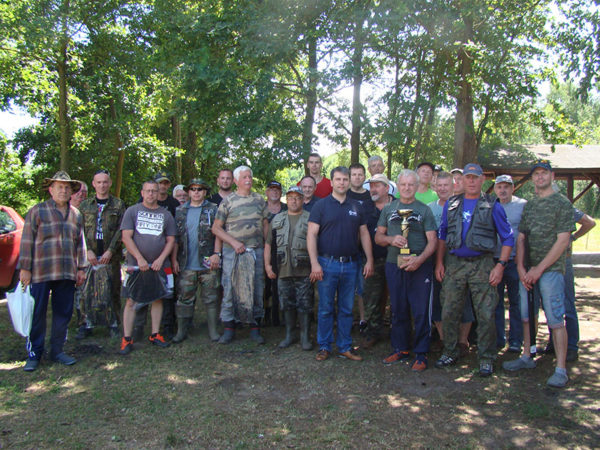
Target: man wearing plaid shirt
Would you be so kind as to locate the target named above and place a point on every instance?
(52, 258)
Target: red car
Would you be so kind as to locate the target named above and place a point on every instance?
(11, 229)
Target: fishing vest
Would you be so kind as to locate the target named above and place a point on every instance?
(481, 236)
(296, 251)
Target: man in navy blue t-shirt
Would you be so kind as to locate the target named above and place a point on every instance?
(335, 226)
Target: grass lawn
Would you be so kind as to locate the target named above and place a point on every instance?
(199, 394)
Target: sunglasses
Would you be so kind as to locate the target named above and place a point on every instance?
(197, 189)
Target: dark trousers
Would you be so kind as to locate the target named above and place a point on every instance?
(63, 295)
(410, 292)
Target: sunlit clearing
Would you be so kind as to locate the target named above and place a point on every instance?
(111, 366)
(11, 366)
(181, 380)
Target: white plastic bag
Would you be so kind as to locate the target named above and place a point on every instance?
(20, 306)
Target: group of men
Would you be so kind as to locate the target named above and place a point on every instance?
(433, 241)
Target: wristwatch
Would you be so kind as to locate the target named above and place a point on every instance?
(219, 254)
(503, 263)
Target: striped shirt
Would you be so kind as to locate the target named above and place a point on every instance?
(52, 246)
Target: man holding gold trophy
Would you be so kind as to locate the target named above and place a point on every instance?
(408, 229)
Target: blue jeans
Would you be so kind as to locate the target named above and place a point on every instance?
(551, 288)
(338, 278)
(63, 297)
(571, 319)
(510, 280)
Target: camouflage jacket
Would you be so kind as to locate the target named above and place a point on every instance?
(112, 214)
(206, 240)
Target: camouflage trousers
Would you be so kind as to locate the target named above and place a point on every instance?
(109, 315)
(373, 292)
(472, 274)
(296, 293)
(194, 284)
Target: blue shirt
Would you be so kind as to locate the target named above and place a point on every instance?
(339, 225)
(513, 210)
(503, 228)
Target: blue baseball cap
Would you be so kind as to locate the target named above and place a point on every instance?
(543, 163)
(473, 169)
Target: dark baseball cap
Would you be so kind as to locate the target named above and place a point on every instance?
(162, 176)
(543, 163)
(473, 169)
(274, 184)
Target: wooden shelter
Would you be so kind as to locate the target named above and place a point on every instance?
(568, 162)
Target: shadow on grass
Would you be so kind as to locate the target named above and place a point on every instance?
(199, 394)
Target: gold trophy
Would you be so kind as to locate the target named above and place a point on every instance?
(404, 226)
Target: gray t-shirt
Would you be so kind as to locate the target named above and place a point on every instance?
(437, 210)
(150, 230)
(420, 221)
(193, 219)
(513, 210)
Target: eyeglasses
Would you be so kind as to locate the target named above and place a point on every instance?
(197, 189)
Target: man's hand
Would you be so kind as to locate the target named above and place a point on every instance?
(496, 275)
(80, 278)
(214, 261)
(399, 241)
(369, 269)
(410, 263)
(440, 271)
(25, 278)
(531, 277)
(157, 264)
(105, 259)
(91, 256)
(316, 273)
(143, 264)
(175, 266)
(239, 247)
(269, 270)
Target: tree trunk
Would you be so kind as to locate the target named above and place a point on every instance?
(357, 77)
(176, 124)
(465, 142)
(118, 149)
(311, 99)
(63, 112)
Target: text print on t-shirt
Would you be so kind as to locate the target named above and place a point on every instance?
(149, 223)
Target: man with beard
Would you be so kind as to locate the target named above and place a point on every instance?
(225, 184)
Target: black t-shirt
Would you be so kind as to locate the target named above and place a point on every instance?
(171, 203)
(215, 198)
(99, 231)
(338, 226)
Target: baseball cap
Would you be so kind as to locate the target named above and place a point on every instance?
(503, 179)
(543, 163)
(295, 189)
(274, 184)
(425, 163)
(379, 178)
(437, 168)
(456, 170)
(162, 176)
(473, 169)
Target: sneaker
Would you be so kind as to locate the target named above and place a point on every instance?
(395, 357)
(63, 358)
(158, 340)
(572, 355)
(126, 346)
(82, 333)
(445, 361)
(486, 369)
(362, 327)
(558, 380)
(518, 364)
(31, 365)
(420, 364)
